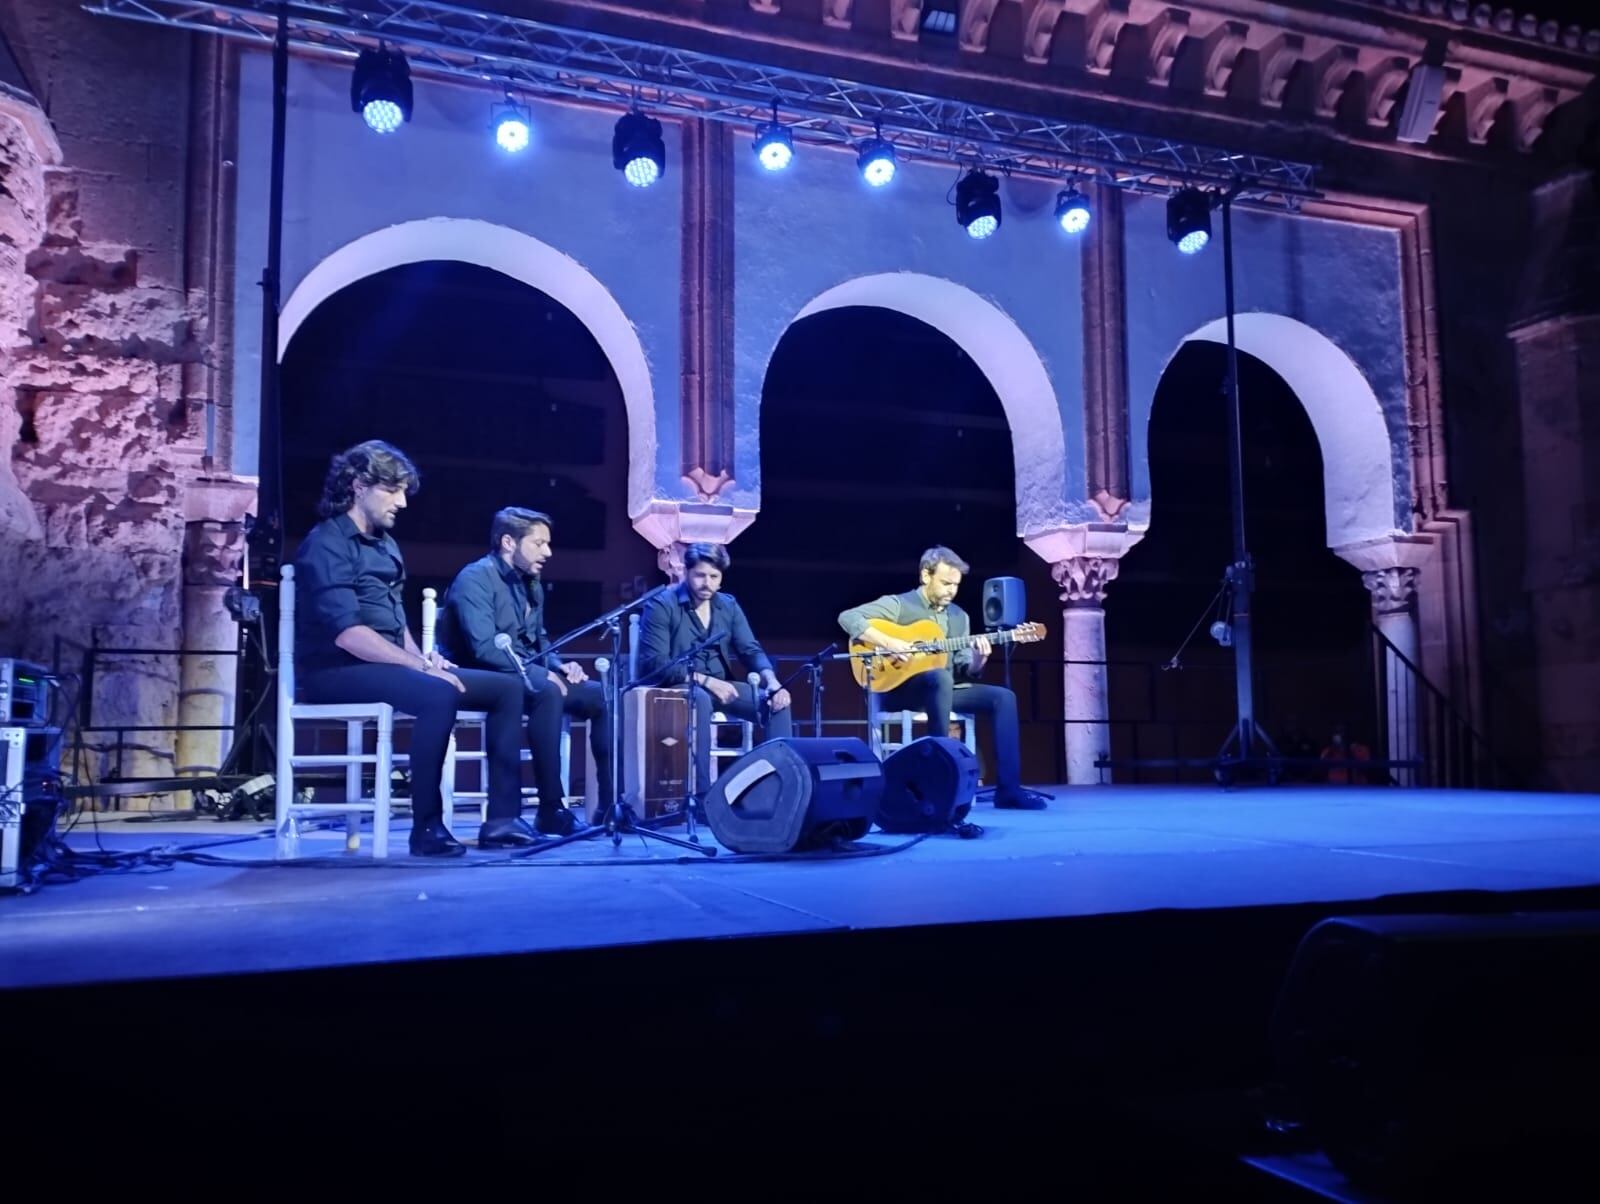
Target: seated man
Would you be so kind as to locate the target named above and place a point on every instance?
(693, 612)
(502, 594)
(940, 691)
(352, 645)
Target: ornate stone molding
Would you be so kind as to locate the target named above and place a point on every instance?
(1084, 579)
(671, 526)
(1393, 590)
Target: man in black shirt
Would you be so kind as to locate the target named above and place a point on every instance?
(352, 644)
(940, 691)
(501, 595)
(696, 611)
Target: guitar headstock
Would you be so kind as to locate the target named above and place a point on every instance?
(1028, 633)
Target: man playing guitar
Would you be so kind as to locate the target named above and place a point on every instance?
(939, 691)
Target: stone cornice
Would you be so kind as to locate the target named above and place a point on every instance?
(1338, 67)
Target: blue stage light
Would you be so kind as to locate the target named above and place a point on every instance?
(512, 128)
(380, 89)
(637, 149)
(1189, 220)
(876, 161)
(978, 203)
(1072, 210)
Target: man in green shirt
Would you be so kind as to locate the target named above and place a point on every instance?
(940, 691)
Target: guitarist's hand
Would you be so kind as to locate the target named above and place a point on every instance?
(981, 650)
(900, 651)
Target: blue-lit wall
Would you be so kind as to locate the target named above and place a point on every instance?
(342, 182)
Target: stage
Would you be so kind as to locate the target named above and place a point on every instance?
(1095, 852)
(1080, 996)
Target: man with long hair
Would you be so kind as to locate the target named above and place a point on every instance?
(697, 612)
(940, 691)
(502, 594)
(352, 644)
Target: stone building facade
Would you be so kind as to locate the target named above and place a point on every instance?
(121, 500)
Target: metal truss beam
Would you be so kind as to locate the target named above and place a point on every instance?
(521, 55)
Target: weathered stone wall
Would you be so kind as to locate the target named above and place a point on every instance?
(98, 326)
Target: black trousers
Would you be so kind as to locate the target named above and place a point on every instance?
(937, 693)
(433, 703)
(545, 705)
(773, 727)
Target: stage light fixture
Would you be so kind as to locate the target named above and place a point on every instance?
(512, 126)
(1072, 210)
(380, 89)
(1189, 220)
(978, 203)
(774, 144)
(876, 160)
(637, 149)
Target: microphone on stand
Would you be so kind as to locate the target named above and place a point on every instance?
(602, 666)
(762, 699)
(502, 641)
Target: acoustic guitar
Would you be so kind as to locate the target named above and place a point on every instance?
(933, 650)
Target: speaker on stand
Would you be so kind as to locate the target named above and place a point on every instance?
(1005, 604)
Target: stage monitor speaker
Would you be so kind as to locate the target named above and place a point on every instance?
(928, 786)
(795, 794)
(1005, 602)
(1448, 1052)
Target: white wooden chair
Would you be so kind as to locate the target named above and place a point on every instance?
(720, 723)
(478, 757)
(355, 716)
(893, 729)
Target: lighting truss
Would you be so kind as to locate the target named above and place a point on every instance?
(537, 57)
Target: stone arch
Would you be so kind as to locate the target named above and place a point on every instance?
(1357, 458)
(522, 257)
(1006, 358)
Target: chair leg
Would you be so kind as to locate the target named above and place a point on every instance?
(286, 832)
(353, 743)
(447, 786)
(566, 759)
(382, 786)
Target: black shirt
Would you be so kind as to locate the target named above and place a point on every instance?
(487, 598)
(345, 579)
(671, 627)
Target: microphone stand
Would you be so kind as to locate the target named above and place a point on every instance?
(874, 733)
(620, 816)
(813, 666)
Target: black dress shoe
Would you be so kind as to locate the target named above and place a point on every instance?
(432, 839)
(506, 834)
(1022, 800)
(559, 821)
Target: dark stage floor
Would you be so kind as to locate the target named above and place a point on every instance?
(1076, 1003)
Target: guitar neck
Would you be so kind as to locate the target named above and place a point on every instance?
(966, 641)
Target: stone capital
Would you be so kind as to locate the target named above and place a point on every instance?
(672, 526)
(1083, 579)
(1069, 541)
(1393, 590)
(1392, 551)
(212, 552)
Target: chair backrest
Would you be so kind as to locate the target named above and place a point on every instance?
(430, 619)
(285, 748)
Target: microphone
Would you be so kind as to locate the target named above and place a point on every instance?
(760, 695)
(602, 665)
(502, 641)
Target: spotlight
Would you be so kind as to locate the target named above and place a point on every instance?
(637, 150)
(978, 203)
(774, 143)
(1072, 210)
(1189, 220)
(876, 161)
(512, 128)
(380, 89)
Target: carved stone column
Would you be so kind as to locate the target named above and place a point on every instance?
(1083, 581)
(206, 681)
(1084, 560)
(1391, 569)
(1394, 612)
